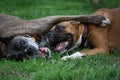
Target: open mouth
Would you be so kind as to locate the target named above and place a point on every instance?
(65, 44)
(44, 52)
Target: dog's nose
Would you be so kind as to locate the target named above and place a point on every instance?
(31, 50)
(49, 34)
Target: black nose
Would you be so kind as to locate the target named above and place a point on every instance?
(31, 50)
(50, 34)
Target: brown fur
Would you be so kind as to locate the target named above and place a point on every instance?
(11, 26)
(103, 40)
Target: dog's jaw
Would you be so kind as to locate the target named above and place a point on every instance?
(77, 44)
(76, 54)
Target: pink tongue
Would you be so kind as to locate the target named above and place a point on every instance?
(44, 50)
(61, 46)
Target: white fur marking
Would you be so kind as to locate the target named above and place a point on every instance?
(77, 44)
(105, 22)
(73, 56)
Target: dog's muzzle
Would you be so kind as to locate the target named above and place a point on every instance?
(58, 41)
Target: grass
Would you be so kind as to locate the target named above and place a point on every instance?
(98, 67)
(89, 68)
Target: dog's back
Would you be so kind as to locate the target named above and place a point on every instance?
(114, 31)
(114, 28)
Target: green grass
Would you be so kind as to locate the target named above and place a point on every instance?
(89, 68)
(98, 67)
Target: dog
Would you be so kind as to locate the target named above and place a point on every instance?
(68, 35)
(20, 38)
(18, 47)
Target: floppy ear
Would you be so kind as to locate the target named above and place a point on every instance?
(75, 23)
(5, 39)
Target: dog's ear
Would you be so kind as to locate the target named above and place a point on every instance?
(74, 22)
(5, 39)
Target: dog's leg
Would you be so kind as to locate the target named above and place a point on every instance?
(81, 54)
(98, 39)
(73, 56)
(105, 22)
(98, 20)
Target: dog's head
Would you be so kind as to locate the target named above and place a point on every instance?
(65, 36)
(19, 47)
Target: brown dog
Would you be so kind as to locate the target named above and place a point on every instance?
(68, 35)
(15, 42)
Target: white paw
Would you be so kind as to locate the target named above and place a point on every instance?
(75, 55)
(65, 58)
(105, 22)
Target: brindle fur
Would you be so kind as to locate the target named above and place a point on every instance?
(11, 25)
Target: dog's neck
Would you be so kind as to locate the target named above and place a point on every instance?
(84, 37)
(85, 33)
(82, 40)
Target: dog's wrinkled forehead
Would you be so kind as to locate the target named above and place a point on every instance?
(22, 40)
(67, 26)
(25, 38)
(62, 25)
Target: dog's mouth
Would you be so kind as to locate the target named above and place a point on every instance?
(64, 44)
(44, 52)
(61, 46)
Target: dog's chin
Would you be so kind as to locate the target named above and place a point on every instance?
(64, 46)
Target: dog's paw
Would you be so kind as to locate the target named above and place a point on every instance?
(76, 55)
(105, 22)
(65, 58)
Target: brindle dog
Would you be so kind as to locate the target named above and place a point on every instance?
(15, 42)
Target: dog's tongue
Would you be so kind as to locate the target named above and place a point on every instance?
(42, 51)
(61, 46)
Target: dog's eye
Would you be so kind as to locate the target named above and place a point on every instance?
(22, 44)
(59, 28)
(27, 36)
